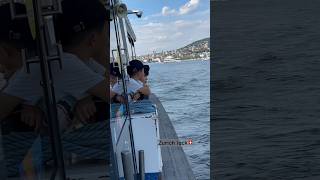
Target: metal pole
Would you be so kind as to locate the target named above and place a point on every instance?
(141, 165)
(125, 92)
(49, 91)
(127, 165)
(124, 84)
(124, 40)
(134, 50)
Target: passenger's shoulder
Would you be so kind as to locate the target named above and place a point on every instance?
(73, 63)
(136, 82)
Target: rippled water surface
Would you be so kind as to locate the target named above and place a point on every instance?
(266, 87)
(183, 88)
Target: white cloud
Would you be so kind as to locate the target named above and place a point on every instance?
(166, 11)
(178, 34)
(168, 36)
(153, 24)
(157, 33)
(184, 9)
(189, 6)
(162, 38)
(183, 23)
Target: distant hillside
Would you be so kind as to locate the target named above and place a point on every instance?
(198, 43)
(197, 50)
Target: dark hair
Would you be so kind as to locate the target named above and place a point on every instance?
(15, 32)
(134, 67)
(146, 70)
(79, 18)
(114, 70)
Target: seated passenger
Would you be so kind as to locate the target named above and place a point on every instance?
(83, 35)
(75, 78)
(145, 80)
(135, 86)
(114, 74)
(146, 73)
(114, 78)
(14, 36)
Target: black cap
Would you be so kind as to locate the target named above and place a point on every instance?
(80, 16)
(115, 70)
(134, 66)
(15, 31)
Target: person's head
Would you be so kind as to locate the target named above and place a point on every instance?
(14, 35)
(135, 70)
(114, 73)
(146, 69)
(83, 27)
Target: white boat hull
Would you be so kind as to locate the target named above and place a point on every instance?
(146, 137)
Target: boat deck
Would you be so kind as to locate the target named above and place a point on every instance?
(175, 162)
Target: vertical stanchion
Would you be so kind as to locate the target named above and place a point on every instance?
(141, 165)
(48, 90)
(127, 165)
(123, 64)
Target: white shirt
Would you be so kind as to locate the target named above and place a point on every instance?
(25, 86)
(132, 87)
(95, 67)
(74, 79)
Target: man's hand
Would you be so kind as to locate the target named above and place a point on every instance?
(85, 109)
(32, 116)
(121, 99)
(136, 96)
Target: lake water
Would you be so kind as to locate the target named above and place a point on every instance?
(184, 90)
(266, 87)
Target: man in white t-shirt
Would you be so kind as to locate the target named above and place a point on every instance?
(135, 87)
(132, 86)
(75, 78)
(14, 35)
(84, 34)
(115, 74)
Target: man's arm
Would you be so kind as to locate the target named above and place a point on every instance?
(112, 94)
(7, 104)
(100, 91)
(145, 90)
(85, 109)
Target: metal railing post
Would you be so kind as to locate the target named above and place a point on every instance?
(141, 165)
(48, 89)
(127, 165)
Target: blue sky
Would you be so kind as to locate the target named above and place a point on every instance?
(169, 24)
